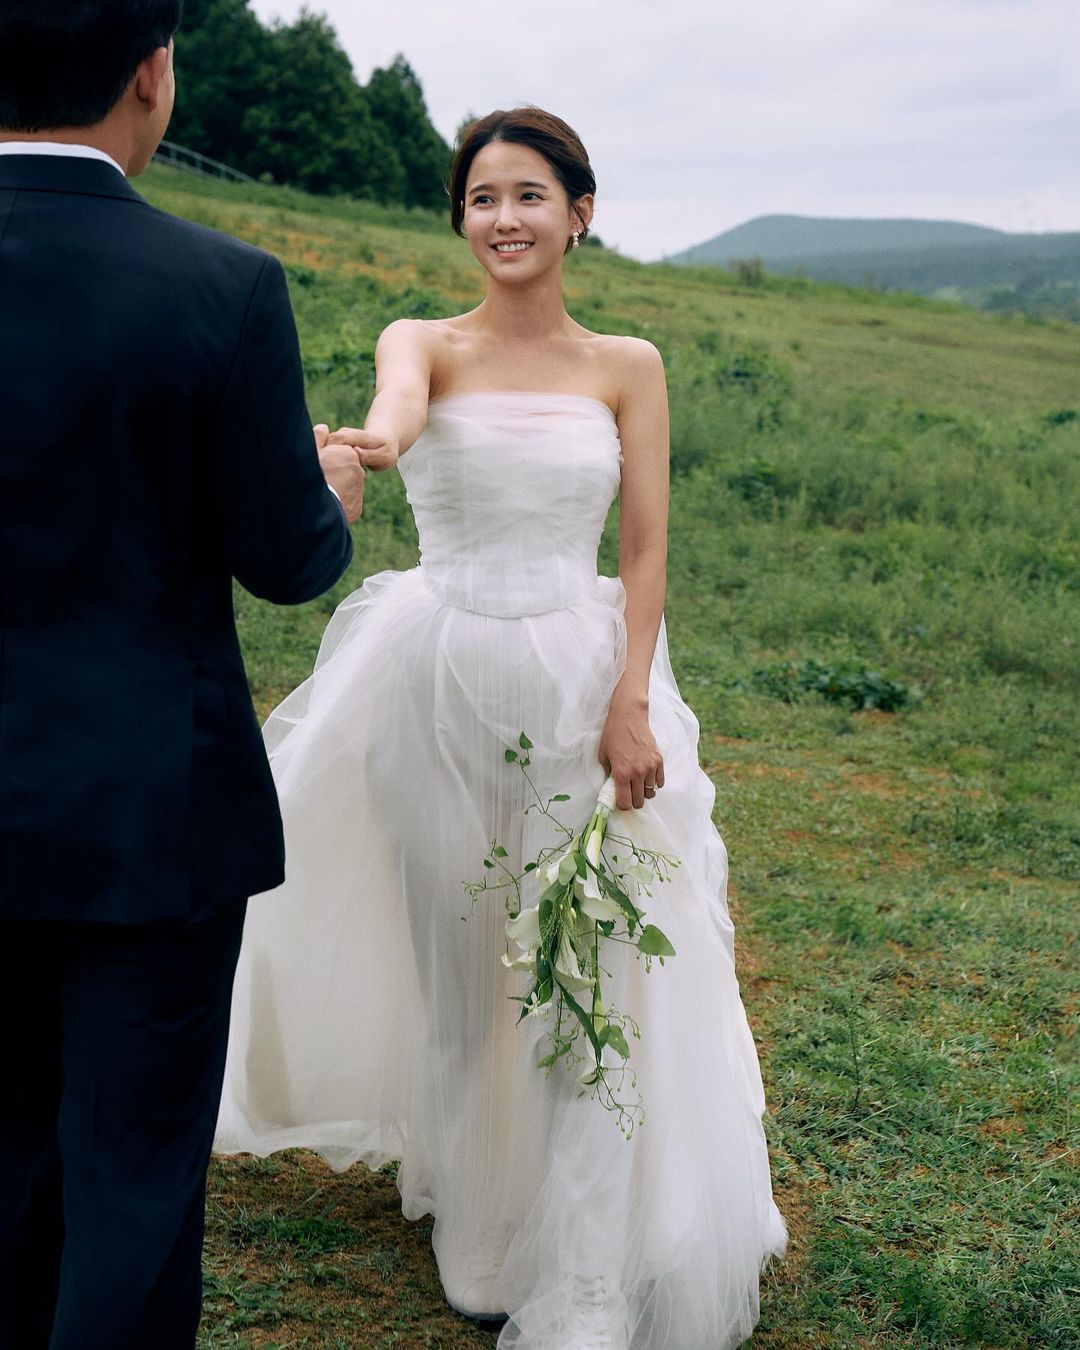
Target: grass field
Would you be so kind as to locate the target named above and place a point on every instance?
(874, 609)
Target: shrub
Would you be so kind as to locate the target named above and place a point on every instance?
(748, 271)
(853, 686)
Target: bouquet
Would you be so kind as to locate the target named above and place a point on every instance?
(588, 883)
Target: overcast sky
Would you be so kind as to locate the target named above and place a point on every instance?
(701, 114)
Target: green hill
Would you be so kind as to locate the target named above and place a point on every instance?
(987, 267)
(874, 609)
(779, 238)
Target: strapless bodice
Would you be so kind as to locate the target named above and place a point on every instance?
(510, 491)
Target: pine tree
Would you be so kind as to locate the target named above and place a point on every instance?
(398, 102)
(284, 101)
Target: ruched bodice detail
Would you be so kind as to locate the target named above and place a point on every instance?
(510, 492)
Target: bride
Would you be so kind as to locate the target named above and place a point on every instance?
(373, 1016)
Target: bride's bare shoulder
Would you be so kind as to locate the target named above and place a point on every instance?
(626, 365)
(620, 352)
(410, 333)
(425, 347)
(432, 334)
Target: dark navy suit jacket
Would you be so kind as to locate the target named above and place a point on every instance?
(154, 444)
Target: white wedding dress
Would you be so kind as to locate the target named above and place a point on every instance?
(372, 1018)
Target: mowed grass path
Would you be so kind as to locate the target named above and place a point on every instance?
(884, 486)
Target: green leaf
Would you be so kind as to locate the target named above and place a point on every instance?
(488, 862)
(561, 797)
(546, 905)
(582, 864)
(544, 917)
(529, 867)
(498, 851)
(524, 742)
(652, 942)
(581, 1015)
(614, 891)
(548, 1060)
(510, 756)
(613, 1036)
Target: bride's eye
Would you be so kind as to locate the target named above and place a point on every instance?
(534, 195)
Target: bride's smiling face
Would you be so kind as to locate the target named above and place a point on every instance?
(518, 218)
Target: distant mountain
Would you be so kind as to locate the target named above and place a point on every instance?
(777, 238)
(928, 256)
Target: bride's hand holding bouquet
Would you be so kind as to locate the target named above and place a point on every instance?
(628, 751)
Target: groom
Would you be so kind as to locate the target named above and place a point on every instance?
(153, 444)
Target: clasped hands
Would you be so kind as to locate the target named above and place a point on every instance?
(345, 457)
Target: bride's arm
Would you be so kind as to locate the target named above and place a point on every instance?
(628, 749)
(398, 412)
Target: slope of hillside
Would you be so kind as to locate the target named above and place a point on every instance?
(1037, 273)
(874, 602)
(779, 238)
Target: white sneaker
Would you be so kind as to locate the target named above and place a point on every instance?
(597, 1320)
(469, 1285)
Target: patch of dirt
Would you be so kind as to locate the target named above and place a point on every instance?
(728, 766)
(302, 246)
(877, 784)
(1002, 1127)
(782, 1279)
(874, 717)
(379, 1287)
(902, 859)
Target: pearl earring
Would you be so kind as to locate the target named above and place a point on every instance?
(576, 237)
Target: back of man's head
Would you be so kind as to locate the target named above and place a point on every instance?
(66, 63)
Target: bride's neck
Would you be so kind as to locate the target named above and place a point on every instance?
(525, 313)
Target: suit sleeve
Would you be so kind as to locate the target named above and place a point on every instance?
(283, 532)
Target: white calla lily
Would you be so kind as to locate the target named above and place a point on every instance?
(587, 887)
(566, 964)
(599, 907)
(561, 868)
(524, 929)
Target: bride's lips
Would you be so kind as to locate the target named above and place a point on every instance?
(504, 252)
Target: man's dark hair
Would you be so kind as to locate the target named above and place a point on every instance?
(65, 63)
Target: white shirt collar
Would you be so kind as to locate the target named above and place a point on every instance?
(57, 148)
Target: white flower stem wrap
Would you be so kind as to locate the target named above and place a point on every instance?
(589, 884)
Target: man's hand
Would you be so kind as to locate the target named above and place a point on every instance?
(375, 451)
(343, 472)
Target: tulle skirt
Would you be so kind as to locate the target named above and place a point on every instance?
(373, 1018)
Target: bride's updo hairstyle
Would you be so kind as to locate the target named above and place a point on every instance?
(541, 131)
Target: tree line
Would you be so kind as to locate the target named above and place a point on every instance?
(282, 102)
